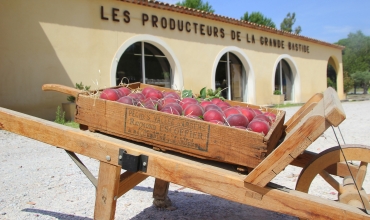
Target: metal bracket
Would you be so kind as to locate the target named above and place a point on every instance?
(132, 163)
(278, 187)
(83, 168)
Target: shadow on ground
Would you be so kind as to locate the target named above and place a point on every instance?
(189, 206)
(57, 215)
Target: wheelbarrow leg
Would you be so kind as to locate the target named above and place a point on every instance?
(107, 191)
(160, 195)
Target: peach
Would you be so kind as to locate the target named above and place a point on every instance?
(175, 106)
(212, 106)
(127, 100)
(237, 120)
(194, 109)
(231, 111)
(213, 114)
(170, 110)
(109, 94)
(247, 112)
(259, 126)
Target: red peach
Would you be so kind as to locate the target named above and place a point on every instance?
(231, 111)
(259, 126)
(109, 94)
(237, 120)
(194, 109)
(213, 114)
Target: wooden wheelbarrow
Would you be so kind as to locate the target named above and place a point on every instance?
(215, 178)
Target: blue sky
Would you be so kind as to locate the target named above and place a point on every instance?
(325, 20)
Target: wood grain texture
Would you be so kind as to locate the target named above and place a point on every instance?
(61, 88)
(186, 171)
(177, 133)
(329, 157)
(160, 190)
(229, 185)
(281, 156)
(129, 180)
(107, 191)
(328, 111)
(81, 142)
(338, 169)
(306, 108)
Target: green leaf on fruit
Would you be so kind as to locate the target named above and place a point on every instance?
(187, 94)
(203, 93)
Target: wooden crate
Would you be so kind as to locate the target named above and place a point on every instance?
(177, 133)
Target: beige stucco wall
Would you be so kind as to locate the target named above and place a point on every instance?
(67, 42)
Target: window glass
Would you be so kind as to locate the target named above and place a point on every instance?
(236, 78)
(130, 64)
(157, 67)
(153, 65)
(230, 69)
(284, 79)
(221, 76)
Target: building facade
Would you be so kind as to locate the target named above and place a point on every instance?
(103, 42)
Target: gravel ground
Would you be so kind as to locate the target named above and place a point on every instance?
(39, 181)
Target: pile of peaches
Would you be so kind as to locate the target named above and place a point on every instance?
(213, 110)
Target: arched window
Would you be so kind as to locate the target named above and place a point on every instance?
(331, 74)
(284, 79)
(230, 77)
(143, 62)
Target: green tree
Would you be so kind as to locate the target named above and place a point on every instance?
(362, 79)
(356, 54)
(347, 82)
(196, 4)
(356, 57)
(258, 18)
(331, 77)
(288, 22)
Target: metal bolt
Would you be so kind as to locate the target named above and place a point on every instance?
(107, 158)
(144, 164)
(120, 157)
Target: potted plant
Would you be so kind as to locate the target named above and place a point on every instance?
(70, 107)
(277, 97)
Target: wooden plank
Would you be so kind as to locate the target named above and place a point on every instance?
(107, 191)
(229, 185)
(196, 174)
(334, 112)
(57, 135)
(272, 138)
(339, 169)
(160, 190)
(281, 155)
(63, 89)
(325, 113)
(82, 167)
(303, 159)
(176, 133)
(292, 125)
(129, 180)
(306, 108)
(160, 195)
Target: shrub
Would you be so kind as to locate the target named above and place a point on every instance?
(79, 86)
(60, 116)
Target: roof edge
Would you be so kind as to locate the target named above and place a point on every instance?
(212, 16)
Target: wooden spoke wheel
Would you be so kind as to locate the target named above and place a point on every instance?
(332, 162)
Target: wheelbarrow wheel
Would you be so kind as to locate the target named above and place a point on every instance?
(332, 162)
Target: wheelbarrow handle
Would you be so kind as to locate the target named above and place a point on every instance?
(60, 88)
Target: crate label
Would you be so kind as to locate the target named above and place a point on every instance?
(175, 131)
